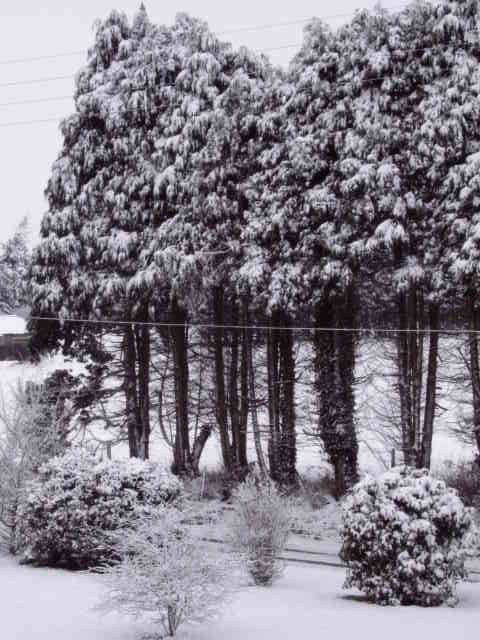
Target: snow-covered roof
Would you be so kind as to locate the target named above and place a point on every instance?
(12, 324)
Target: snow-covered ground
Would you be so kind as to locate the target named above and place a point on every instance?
(12, 324)
(306, 603)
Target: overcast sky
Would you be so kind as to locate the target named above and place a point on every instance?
(29, 28)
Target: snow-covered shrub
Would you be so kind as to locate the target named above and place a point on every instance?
(29, 434)
(167, 574)
(69, 510)
(465, 478)
(260, 527)
(405, 538)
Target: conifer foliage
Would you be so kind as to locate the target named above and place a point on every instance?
(198, 184)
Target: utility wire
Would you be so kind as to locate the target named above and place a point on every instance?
(17, 83)
(187, 325)
(16, 103)
(372, 80)
(20, 123)
(262, 27)
(287, 46)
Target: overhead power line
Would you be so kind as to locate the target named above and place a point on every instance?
(372, 80)
(17, 83)
(264, 50)
(261, 27)
(195, 325)
(16, 103)
(19, 123)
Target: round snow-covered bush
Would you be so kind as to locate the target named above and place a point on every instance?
(405, 538)
(69, 511)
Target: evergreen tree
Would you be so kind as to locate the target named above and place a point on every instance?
(14, 261)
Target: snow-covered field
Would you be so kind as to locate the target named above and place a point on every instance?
(12, 324)
(306, 603)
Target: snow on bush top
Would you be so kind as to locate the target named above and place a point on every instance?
(70, 510)
(405, 538)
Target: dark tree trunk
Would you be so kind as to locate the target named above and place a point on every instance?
(252, 397)
(281, 400)
(474, 364)
(288, 442)
(130, 389)
(198, 446)
(273, 384)
(142, 337)
(416, 430)
(220, 395)
(326, 387)
(239, 452)
(431, 388)
(346, 376)
(244, 407)
(182, 461)
(401, 346)
(334, 353)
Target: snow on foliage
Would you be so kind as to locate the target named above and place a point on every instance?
(14, 258)
(68, 511)
(405, 538)
(166, 575)
(260, 527)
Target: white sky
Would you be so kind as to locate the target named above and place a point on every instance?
(29, 28)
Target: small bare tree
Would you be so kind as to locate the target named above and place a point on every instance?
(260, 527)
(165, 574)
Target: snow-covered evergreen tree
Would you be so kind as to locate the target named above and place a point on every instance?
(14, 261)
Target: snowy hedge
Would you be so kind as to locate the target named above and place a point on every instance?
(68, 512)
(405, 538)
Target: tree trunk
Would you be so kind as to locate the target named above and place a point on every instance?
(130, 389)
(181, 454)
(253, 401)
(410, 369)
(273, 384)
(288, 443)
(244, 405)
(235, 402)
(345, 342)
(431, 389)
(220, 396)
(142, 337)
(474, 364)
(326, 386)
(401, 346)
(198, 446)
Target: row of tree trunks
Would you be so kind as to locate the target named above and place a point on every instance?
(417, 428)
(136, 359)
(282, 449)
(231, 409)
